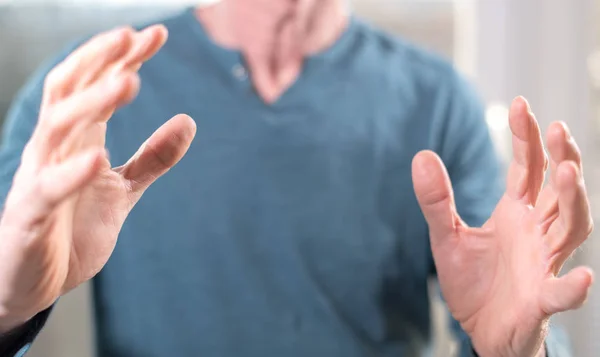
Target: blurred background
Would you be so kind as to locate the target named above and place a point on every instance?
(546, 50)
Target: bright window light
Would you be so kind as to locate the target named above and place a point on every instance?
(497, 117)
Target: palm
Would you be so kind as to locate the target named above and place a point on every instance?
(500, 280)
(97, 215)
(500, 263)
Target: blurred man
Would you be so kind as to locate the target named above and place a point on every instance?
(292, 227)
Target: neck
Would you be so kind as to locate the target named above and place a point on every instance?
(275, 35)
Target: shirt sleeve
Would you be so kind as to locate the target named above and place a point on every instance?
(18, 341)
(477, 175)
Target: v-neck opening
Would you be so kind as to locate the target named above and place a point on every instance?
(229, 60)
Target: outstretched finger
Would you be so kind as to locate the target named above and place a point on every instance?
(60, 181)
(145, 45)
(53, 185)
(568, 292)
(526, 171)
(85, 63)
(562, 147)
(574, 223)
(83, 109)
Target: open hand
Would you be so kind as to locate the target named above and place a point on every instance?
(67, 205)
(501, 280)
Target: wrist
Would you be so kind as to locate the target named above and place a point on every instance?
(10, 321)
(7, 325)
(540, 353)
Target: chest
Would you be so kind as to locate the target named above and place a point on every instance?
(307, 207)
(357, 127)
(333, 158)
(309, 189)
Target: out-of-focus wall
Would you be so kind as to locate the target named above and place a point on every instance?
(29, 34)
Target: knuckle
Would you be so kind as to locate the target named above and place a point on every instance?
(29, 152)
(112, 40)
(39, 191)
(132, 84)
(53, 124)
(123, 33)
(28, 148)
(579, 231)
(575, 146)
(112, 89)
(575, 150)
(124, 88)
(590, 228)
(119, 83)
(53, 85)
(162, 158)
(53, 77)
(571, 233)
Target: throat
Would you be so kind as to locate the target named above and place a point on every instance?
(274, 69)
(274, 36)
(271, 83)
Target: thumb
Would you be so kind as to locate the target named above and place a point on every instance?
(567, 292)
(159, 153)
(434, 194)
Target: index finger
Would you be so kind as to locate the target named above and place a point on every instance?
(85, 62)
(145, 45)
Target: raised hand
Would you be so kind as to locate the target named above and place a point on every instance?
(67, 205)
(501, 280)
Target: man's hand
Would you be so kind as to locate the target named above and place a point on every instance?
(500, 281)
(66, 206)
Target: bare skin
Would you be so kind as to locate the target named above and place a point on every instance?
(500, 281)
(67, 205)
(275, 36)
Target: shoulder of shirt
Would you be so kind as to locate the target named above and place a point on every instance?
(32, 90)
(414, 62)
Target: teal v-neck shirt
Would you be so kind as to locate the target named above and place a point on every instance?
(288, 229)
